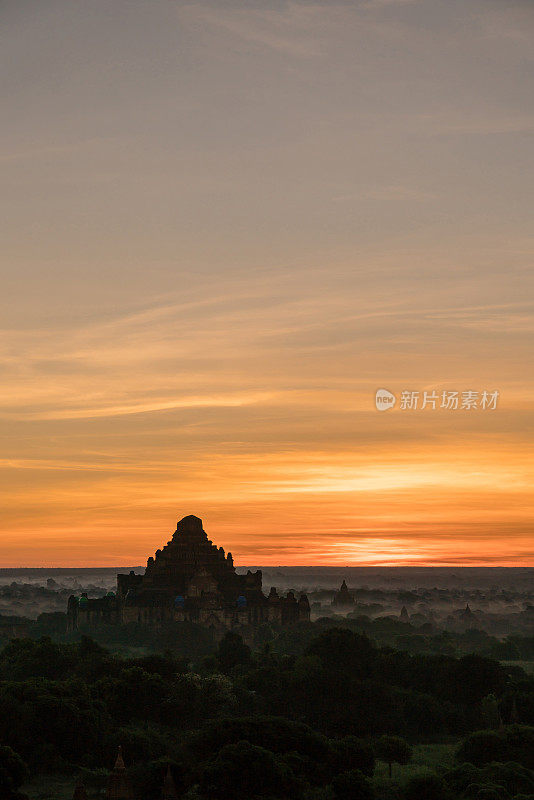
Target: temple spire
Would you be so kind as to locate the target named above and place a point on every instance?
(343, 597)
(119, 787)
(119, 761)
(169, 791)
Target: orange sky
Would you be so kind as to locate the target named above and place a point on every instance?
(226, 226)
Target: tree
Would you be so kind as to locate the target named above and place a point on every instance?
(480, 748)
(352, 785)
(350, 753)
(243, 771)
(487, 792)
(23, 659)
(473, 677)
(393, 749)
(148, 777)
(276, 734)
(513, 743)
(343, 652)
(490, 711)
(232, 651)
(508, 779)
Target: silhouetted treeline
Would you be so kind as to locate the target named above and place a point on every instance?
(190, 640)
(307, 724)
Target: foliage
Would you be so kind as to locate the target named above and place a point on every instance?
(148, 777)
(276, 734)
(232, 651)
(393, 749)
(513, 743)
(303, 709)
(351, 753)
(510, 778)
(244, 771)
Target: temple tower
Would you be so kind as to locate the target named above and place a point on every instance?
(343, 597)
(119, 787)
(169, 791)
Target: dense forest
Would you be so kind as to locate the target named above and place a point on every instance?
(317, 713)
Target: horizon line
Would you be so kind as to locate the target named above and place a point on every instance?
(453, 565)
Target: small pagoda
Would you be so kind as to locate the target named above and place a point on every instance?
(343, 598)
(119, 786)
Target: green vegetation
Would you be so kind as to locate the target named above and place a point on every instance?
(49, 787)
(193, 641)
(526, 666)
(393, 750)
(318, 713)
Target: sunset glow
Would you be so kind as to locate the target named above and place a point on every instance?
(231, 227)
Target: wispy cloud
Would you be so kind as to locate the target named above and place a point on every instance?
(209, 401)
(293, 31)
(193, 354)
(227, 223)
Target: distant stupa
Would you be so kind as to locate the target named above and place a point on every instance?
(343, 598)
(467, 614)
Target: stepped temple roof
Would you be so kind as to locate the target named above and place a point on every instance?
(189, 565)
(189, 580)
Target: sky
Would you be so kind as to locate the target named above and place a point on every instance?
(224, 226)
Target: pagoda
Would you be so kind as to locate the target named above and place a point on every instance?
(189, 580)
(169, 791)
(119, 787)
(343, 598)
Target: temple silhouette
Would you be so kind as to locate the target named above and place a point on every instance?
(343, 598)
(121, 788)
(190, 579)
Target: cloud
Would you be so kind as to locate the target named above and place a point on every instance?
(228, 224)
(196, 402)
(251, 348)
(293, 30)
